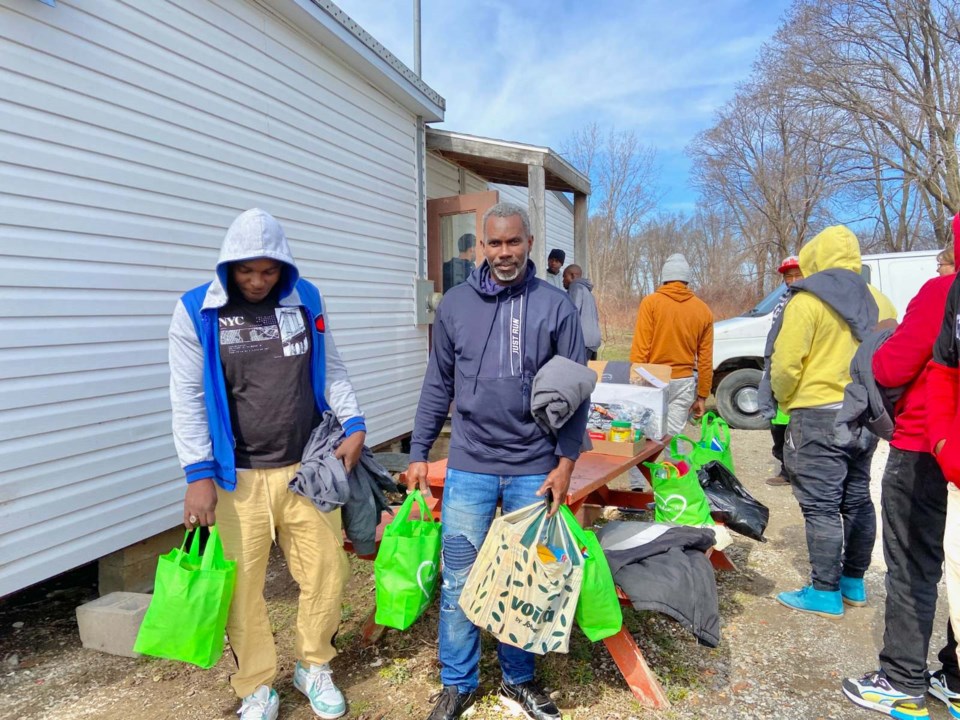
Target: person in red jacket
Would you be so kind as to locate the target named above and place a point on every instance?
(913, 510)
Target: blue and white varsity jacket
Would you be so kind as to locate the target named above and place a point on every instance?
(201, 415)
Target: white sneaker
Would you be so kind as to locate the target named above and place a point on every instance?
(262, 704)
(316, 682)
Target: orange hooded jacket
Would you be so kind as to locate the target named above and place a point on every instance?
(675, 328)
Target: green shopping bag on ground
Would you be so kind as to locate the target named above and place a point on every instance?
(406, 570)
(715, 436)
(598, 611)
(191, 600)
(679, 499)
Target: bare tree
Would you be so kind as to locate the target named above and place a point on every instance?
(772, 169)
(893, 67)
(623, 174)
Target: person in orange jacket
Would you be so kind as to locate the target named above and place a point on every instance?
(675, 328)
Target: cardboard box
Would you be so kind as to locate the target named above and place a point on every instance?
(622, 372)
(624, 449)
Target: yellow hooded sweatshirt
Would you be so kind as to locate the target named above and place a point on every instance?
(810, 365)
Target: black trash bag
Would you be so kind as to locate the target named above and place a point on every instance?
(730, 503)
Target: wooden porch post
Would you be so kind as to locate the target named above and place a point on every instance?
(580, 250)
(537, 207)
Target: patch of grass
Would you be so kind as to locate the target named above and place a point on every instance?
(345, 639)
(282, 615)
(396, 673)
(360, 707)
(617, 348)
(346, 612)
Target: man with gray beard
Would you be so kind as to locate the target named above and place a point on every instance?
(492, 335)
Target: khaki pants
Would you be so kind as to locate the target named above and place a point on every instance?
(312, 542)
(951, 553)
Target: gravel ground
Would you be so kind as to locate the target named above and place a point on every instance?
(772, 663)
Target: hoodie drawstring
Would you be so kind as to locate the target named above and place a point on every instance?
(493, 322)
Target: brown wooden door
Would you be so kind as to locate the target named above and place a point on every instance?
(449, 220)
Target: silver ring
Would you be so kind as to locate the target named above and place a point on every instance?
(193, 519)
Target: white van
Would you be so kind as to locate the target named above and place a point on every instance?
(738, 343)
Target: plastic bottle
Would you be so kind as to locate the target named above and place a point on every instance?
(621, 431)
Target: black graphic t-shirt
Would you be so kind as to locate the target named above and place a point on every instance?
(265, 351)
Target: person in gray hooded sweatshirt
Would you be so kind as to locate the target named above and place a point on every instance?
(491, 337)
(252, 368)
(581, 294)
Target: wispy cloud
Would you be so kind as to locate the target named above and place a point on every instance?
(535, 71)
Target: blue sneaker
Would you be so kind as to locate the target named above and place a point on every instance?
(874, 692)
(937, 686)
(819, 602)
(853, 591)
(316, 682)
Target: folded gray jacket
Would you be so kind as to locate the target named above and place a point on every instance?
(559, 389)
(360, 495)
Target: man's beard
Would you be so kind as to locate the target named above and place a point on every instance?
(509, 277)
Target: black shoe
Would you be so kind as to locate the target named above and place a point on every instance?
(531, 700)
(450, 703)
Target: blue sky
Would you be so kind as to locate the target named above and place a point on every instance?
(534, 71)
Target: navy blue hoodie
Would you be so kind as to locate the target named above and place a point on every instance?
(489, 341)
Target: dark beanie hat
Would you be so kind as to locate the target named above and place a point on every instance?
(557, 254)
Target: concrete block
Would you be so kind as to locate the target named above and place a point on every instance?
(133, 568)
(110, 623)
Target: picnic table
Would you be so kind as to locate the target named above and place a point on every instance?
(589, 485)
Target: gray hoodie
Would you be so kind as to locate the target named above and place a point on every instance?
(581, 293)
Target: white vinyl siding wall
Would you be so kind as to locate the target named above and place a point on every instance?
(443, 179)
(131, 134)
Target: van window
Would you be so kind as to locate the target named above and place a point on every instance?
(766, 306)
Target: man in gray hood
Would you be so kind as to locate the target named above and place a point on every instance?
(253, 366)
(581, 294)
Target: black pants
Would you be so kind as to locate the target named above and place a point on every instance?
(832, 485)
(913, 508)
(779, 433)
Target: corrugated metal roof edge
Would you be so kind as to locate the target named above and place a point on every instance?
(333, 28)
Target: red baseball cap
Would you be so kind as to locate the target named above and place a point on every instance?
(790, 263)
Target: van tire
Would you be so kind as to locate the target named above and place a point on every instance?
(737, 400)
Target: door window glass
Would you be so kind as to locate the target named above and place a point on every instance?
(458, 246)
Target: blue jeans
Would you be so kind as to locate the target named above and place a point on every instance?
(469, 505)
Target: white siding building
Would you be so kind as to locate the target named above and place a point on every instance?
(131, 134)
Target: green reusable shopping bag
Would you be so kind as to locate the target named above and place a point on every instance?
(191, 600)
(679, 499)
(406, 570)
(696, 454)
(715, 436)
(598, 610)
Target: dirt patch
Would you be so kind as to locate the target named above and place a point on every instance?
(772, 663)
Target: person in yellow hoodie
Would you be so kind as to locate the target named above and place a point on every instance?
(831, 310)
